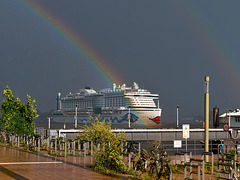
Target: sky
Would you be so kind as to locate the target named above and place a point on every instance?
(167, 47)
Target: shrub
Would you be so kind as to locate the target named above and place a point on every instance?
(108, 158)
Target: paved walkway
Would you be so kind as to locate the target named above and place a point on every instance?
(16, 164)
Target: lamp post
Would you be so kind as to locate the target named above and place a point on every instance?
(129, 117)
(177, 116)
(49, 123)
(75, 117)
(229, 117)
(206, 116)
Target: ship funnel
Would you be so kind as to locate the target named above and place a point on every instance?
(216, 117)
(58, 101)
(135, 86)
(114, 87)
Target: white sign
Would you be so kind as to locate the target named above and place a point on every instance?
(177, 143)
(185, 129)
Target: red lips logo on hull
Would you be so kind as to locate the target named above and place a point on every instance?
(156, 119)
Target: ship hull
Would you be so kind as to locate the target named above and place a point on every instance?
(141, 118)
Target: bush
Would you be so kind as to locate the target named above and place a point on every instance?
(108, 158)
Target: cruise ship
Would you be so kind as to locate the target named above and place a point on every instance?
(116, 105)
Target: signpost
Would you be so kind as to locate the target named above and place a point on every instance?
(226, 127)
(177, 144)
(186, 134)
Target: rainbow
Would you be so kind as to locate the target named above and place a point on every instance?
(225, 60)
(71, 38)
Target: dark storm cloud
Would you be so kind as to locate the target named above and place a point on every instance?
(159, 44)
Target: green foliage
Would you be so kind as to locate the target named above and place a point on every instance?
(159, 164)
(18, 117)
(231, 151)
(109, 156)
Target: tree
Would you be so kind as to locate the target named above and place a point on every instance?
(17, 117)
(109, 157)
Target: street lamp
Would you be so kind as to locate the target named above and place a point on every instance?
(129, 117)
(229, 117)
(75, 117)
(49, 122)
(177, 116)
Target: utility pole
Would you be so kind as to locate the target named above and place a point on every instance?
(206, 115)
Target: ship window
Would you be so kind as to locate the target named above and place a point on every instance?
(237, 119)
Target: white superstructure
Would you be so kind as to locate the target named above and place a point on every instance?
(110, 105)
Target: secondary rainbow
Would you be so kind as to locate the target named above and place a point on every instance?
(225, 60)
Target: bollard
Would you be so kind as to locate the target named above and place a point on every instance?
(68, 147)
(199, 173)
(139, 149)
(51, 144)
(185, 167)
(129, 160)
(171, 176)
(79, 148)
(84, 146)
(74, 143)
(55, 145)
(39, 145)
(122, 151)
(59, 144)
(191, 169)
(61, 148)
(203, 169)
(18, 141)
(34, 143)
(212, 161)
(42, 143)
(126, 146)
(88, 145)
(47, 143)
(103, 146)
(98, 147)
(65, 143)
(91, 148)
